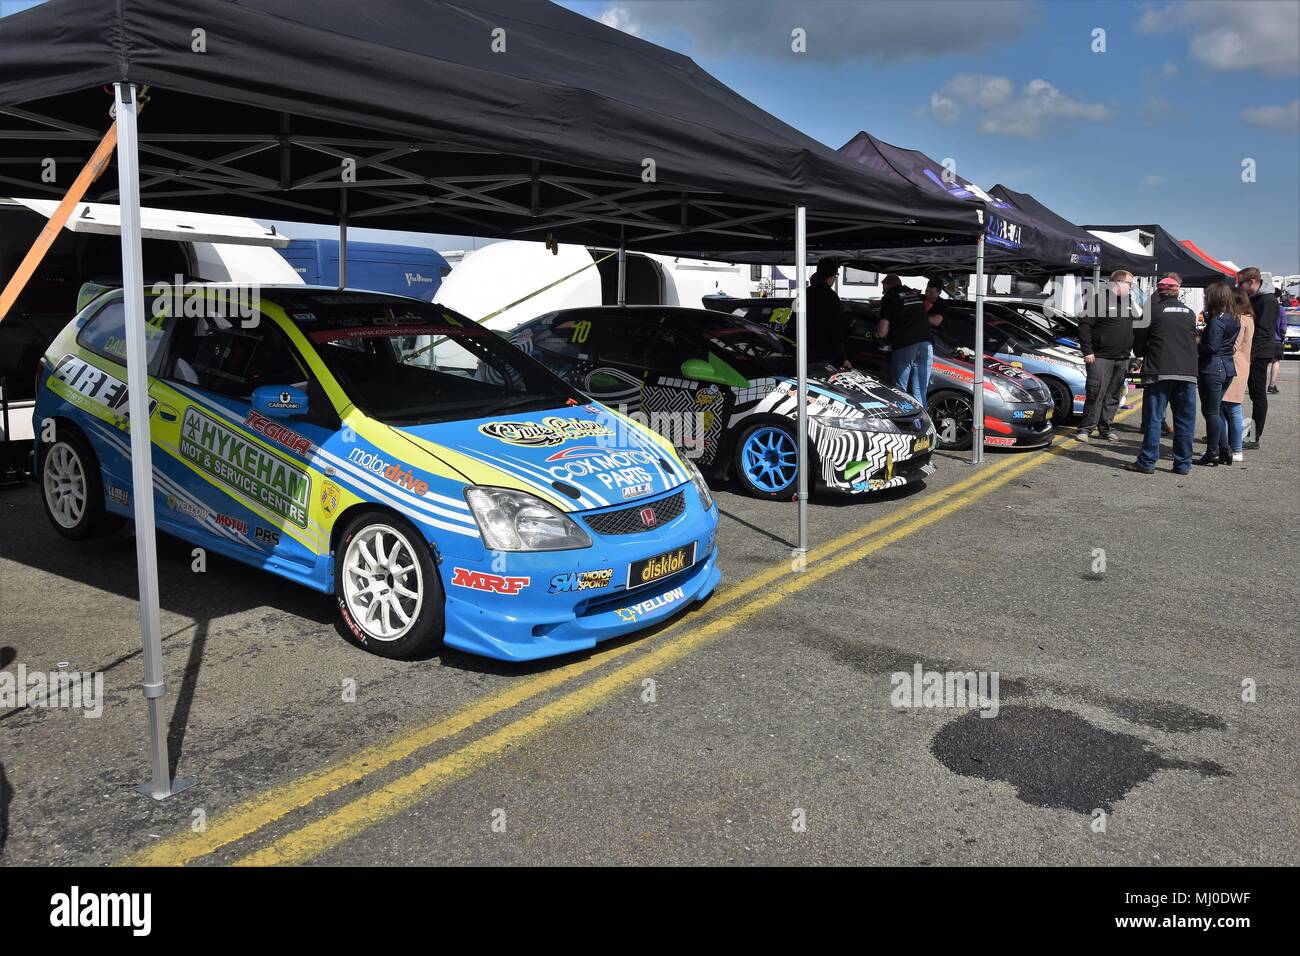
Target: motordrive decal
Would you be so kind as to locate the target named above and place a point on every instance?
(224, 455)
(551, 430)
(93, 390)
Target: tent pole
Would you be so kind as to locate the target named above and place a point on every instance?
(622, 268)
(343, 239)
(801, 362)
(161, 785)
(977, 425)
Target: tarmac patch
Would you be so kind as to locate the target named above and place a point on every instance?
(1054, 758)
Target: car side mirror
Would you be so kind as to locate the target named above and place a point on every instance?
(280, 401)
(714, 371)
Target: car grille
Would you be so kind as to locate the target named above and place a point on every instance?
(629, 520)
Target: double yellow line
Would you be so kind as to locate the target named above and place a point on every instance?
(764, 589)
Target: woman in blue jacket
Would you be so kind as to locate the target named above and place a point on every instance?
(1215, 365)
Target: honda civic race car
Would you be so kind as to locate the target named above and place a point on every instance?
(1060, 368)
(724, 390)
(434, 479)
(1018, 408)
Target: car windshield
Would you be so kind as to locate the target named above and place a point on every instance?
(742, 343)
(405, 362)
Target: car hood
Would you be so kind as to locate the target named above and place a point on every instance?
(861, 392)
(1058, 354)
(577, 457)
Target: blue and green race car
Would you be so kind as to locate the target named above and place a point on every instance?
(436, 480)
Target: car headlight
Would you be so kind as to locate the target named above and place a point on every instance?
(864, 424)
(517, 521)
(693, 472)
(1011, 392)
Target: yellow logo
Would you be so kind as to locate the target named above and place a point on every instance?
(329, 497)
(922, 444)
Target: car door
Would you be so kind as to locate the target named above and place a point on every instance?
(237, 476)
(636, 368)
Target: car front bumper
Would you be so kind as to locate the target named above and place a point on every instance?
(539, 621)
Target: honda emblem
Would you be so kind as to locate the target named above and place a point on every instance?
(649, 518)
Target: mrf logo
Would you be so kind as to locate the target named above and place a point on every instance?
(481, 581)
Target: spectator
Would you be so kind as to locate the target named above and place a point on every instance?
(827, 331)
(1230, 443)
(1106, 339)
(907, 321)
(1263, 348)
(1215, 368)
(1167, 343)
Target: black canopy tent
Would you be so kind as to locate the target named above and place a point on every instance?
(496, 118)
(1170, 255)
(1112, 257)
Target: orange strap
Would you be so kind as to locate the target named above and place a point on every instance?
(93, 169)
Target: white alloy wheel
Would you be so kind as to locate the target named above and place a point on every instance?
(382, 583)
(64, 479)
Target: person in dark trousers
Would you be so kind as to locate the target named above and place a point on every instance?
(1262, 348)
(1106, 340)
(827, 330)
(1215, 368)
(907, 321)
(1166, 341)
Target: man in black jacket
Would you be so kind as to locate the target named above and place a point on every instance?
(907, 321)
(1262, 348)
(827, 330)
(1166, 340)
(1106, 339)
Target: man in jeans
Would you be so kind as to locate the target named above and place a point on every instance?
(1106, 339)
(906, 323)
(1166, 340)
(1263, 347)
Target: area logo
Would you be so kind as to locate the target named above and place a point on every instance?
(482, 581)
(550, 431)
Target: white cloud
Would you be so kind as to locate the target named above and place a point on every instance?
(1231, 34)
(1150, 181)
(944, 108)
(835, 30)
(1025, 115)
(1285, 118)
(620, 18)
(1170, 69)
(978, 89)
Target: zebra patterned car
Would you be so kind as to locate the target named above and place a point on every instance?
(723, 390)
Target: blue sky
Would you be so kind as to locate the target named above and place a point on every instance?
(1153, 129)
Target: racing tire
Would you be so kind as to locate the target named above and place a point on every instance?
(960, 409)
(1062, 398)
(389, 595)
(766, 462)
(72, 487)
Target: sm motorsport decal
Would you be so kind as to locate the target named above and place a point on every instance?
(482, 581)
(552, 430)
(217, 451)
(581, 580)
(93, 390)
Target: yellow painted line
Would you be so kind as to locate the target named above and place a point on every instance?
(251, 815)
(346, 822)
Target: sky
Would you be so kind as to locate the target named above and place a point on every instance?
(1107, 112)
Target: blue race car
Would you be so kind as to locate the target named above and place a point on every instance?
(1060, 368)
(433, 478)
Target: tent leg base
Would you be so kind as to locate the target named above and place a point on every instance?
(177, 786)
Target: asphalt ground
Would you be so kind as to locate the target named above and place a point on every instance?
(756, 728)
